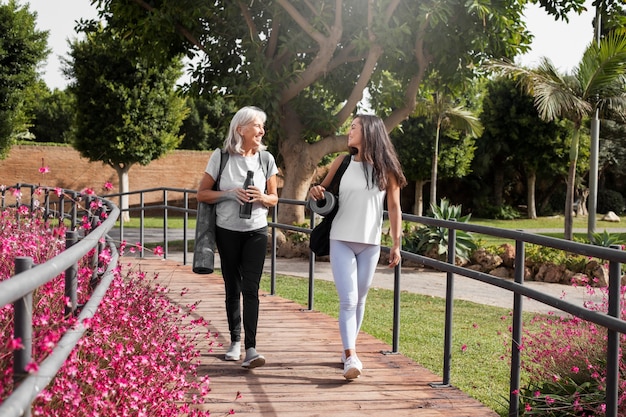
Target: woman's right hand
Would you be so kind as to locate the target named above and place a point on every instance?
(317, 192)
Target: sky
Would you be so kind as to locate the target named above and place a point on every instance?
(563, 43)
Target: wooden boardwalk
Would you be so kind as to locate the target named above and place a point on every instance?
(303, 373)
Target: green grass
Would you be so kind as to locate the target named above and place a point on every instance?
(482, 370)
(157, 222)
(553, 222)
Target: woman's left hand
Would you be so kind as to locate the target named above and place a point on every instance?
(254, 194)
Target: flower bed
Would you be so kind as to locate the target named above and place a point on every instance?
(139, 356)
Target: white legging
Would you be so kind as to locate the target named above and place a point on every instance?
(353, 266)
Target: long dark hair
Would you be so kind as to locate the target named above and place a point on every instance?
(378, 151)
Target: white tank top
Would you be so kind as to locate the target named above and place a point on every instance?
(360, 215)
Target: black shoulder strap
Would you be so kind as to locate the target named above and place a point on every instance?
(334, 183)
(223, 159)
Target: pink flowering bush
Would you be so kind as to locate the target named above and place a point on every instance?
(566, 366)
(138, 356)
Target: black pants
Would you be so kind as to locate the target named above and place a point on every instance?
(242, 256)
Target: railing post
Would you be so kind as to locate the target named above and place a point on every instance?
(447, 338)
(95, 258)
(46, 204)
(32, 199)
(612, 344)
(396, 309)
(62, 207)
(273, 253)
(311, 266)
(74, 204)
(141, 225)
(516, 333)
(185, 219)
(71, 282)
(23, 328)
(165, 245)
(449, 307)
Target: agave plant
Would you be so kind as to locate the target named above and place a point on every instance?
(606, 239)
(434, 239)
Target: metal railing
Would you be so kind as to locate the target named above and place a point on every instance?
(65, 205)
(611, 321)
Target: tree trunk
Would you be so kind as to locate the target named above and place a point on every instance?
(433, 175)
(531, 182)
(569, 202)
(418, 207)
(122, 174)
(300, 161)
(498, 187)
(571, 183)
(582, 204)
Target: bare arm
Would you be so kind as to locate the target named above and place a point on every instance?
(317, 192)
(207, 194)
(395, 220)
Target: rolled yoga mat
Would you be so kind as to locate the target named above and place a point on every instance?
(204, 248)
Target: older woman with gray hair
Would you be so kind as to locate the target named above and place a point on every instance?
(242, 240)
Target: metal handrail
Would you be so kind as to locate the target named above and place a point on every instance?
(18, 290)
(612, 322)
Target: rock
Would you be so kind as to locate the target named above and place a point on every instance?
(487, 261)
(597, 274)
(611, 217)
(500, 272)
(508, 255)
(579, 279)
(550, 273)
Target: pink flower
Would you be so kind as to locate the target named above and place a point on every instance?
(31, 367)
(16, 343)
(527, 407)
(107, 186)
(575, 369)
(158, 251)
(463, 348)
(44, 170)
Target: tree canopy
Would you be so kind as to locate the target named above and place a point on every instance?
(127, 111)
(598, 82)
(22, 49)
(310, 64)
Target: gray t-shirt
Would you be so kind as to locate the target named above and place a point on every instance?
(233, 176)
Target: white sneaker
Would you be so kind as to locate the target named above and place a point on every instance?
(343, 357)
(352, 367)
(253, 359)
(234, 352)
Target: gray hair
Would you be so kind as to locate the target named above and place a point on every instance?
(244, 116)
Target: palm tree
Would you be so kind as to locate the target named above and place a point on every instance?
(599, 81)
(440, 108)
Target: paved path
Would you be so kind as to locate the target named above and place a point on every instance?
(303, 374)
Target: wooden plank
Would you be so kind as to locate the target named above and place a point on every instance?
(303, 373)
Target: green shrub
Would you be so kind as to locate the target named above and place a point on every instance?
(426, 239)
(609, 200)
(504, 212)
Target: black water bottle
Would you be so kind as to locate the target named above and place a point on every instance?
(246, 209)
